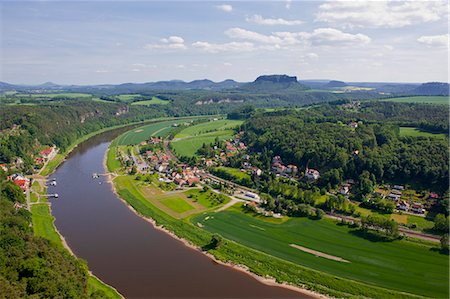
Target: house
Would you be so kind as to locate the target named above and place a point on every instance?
(403, 206)
(4, 167)
(434, 195)
(417, 208)
(17, 205)
(39, 160)
(276, 159)
(399, 187)
(397, 192)
(209, 163)
(252, 195)
(23, 184)
(353, 125)
(154, 140)
(277, 167)
(291, 169)
(193, 180)
(345, 190)
(257, 171)
(312, 174)
(394, 197)
(48, 153)
(355, 153)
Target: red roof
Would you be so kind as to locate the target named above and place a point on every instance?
(47, 151)
(21, 183)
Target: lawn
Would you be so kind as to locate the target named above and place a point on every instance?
(153, 101)
(421, 222)
(176, 204)
(441, 100)
(399, 265)
(94, 284)
(43, 223)
(237, 173)
(414, 132)
(207, 199)
(189, 140)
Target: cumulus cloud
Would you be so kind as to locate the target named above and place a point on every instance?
(386, 14)
(434, 40)
(172, 42)
(258, 19)
(225, 7)
(224, 47)
(240, 33)
(319, 36)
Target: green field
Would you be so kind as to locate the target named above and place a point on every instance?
(414, 132)
(161, 129)
(189, 140)
(237, 173)
(128, 97)
(206, 199)
(73, 95)
(441, 100)
(94, 284)
(399, 265)
(153, 101)
(43, 223)
(176, 204)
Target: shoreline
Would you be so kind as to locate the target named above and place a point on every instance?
(242, 268)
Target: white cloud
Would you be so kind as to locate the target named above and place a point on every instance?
(434, 40)
(387, 14)
(240, 33)
(320, 36)
(135, 70)
(288, 4)
(227, 64)
(225, 47)
(225, 7)
(139, 64)
(331, 35)
(258, 19)
(311, 55)
(102, 71)
(172, 42)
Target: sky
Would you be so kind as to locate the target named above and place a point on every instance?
(98, 42)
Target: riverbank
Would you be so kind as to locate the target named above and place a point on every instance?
(265, 268)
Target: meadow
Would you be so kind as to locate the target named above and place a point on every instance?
(152, 101)
(440, 100)
(399, 265)
(235, 172)
(414, 132)
(189, 140)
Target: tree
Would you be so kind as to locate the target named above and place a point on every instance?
(444, 243)
(216, 241)
(441, 223)
(319, 213)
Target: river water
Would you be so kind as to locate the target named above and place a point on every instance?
(126, 251)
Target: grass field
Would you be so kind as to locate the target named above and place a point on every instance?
(73, 95)
(399, 265)
(177, 204)
(153, 101)
(161, 129)
(206, 199)
(237, 173)
(414, 132)
(440, 100)
(43, 223)
(128, 97)
(189, 140)
(95, 284)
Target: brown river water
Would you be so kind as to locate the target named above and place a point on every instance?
(126, 251)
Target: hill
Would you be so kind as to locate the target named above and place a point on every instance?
(334, 84)
(432, 89)
(274, 83)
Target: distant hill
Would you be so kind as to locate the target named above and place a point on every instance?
(432, 89)
(274, 83)
(335, 83)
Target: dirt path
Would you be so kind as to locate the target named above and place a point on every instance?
(233, 201)
(319, 254)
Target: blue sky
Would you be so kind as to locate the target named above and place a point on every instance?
(74, 42)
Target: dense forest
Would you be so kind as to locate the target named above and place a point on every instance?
(321, 138)
(32, 267)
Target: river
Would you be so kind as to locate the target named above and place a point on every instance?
(126, 251)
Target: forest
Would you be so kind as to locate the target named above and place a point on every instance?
(321, 138)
